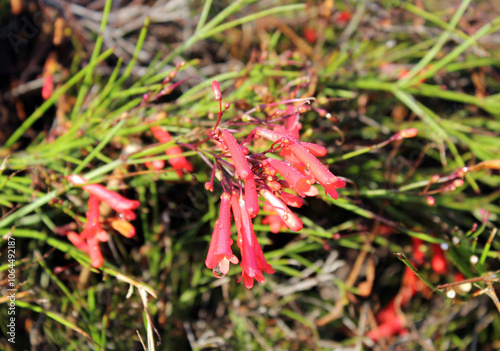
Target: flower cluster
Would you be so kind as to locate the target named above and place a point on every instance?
(93, 233)
(279, 184)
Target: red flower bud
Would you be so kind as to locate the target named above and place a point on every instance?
(48, 86)
(216, 90)
(409, 133)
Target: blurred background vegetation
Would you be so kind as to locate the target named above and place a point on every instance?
(377, 67)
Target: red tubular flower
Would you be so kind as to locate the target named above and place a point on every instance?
(418, 254)
(409, 287)
(117, 202)
(320, 172)
(94, 252)
(261, 260)
(298, 181)
(235, 206)
(296, 163)
(93, 232)
(309, 35)
(390, 322)
(77, 241)
(178, 162)
(274, 220)
(163, 136)
(344, 16)
(219, 253)
(275, 223)
(90, 246)
(438, 261)
(291, 220)
(293, 125)
(279, 133)
(315, 149)
(241, 165)
(156, 165)
(292, 200)
(251, 199)
(252, 258)
(391, 327)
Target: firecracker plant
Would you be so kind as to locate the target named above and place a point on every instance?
(351, 172)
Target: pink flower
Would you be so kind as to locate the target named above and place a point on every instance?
(219, 254)
(290, 219)
(117, 202)
(297, 181)
(319, 171)
(252, 258)
(242, 167)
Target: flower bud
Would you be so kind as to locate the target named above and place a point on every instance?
(216, 90)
